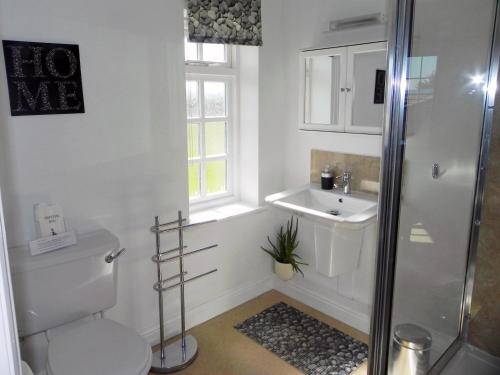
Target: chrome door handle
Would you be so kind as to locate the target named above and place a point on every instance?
(111, 257)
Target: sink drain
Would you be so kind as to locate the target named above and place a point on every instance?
(333, 212)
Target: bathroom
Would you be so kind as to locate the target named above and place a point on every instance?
(130, 144)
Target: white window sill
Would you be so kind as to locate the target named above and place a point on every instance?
(224, 211)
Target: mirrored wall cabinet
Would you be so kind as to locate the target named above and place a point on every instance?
(342, 88)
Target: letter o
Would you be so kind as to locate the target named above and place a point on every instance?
(51, 66)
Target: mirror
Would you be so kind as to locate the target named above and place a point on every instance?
(342, 89)
(321, 74)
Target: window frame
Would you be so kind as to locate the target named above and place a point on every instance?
(229, 51)
(228, 54)
(228, 72)
(229, 156)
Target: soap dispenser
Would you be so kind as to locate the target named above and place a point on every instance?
(327, 178)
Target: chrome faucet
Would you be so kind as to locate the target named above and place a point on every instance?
(346, 181)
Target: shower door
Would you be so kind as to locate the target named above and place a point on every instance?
(447, 64)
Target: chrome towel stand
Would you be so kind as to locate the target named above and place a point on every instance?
(181, 353)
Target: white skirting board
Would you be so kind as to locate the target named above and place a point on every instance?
(354, 315)
(209, 310)
(346, 310)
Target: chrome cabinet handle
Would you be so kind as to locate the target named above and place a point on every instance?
(111, 257)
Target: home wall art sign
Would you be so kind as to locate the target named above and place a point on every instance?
(43, 78)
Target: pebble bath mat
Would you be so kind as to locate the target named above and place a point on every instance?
(309, 345)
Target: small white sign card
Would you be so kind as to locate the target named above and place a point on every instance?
(51, 229)
(58, 241)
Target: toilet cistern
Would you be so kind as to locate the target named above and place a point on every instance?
(60, 299)
(345, 178)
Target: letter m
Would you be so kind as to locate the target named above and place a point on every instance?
(25, 96)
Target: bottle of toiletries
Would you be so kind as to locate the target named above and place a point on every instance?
(327, 178)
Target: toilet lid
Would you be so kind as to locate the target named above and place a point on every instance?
(25, 369)
(99, 347)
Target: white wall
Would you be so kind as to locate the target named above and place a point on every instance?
(244, 272)
(249, 124)
(347, 297)
(121, 161)
(306, 23)
(285, 151)
(9, 355)
(124, 160)
(272, 97)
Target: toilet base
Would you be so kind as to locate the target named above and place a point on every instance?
(175, 358)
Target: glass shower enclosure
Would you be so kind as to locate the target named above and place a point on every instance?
(443, 64)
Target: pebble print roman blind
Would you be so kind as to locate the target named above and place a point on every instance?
(225, 21)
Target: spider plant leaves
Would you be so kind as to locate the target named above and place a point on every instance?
(283, 249)
(269, 252)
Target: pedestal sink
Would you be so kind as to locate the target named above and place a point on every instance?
(339, 222)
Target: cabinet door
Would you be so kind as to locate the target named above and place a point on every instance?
(322, 82)
(366, 65)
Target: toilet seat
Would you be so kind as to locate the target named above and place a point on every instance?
(99, 347)
(25, 369)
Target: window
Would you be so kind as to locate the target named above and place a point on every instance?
(421, 78)
(206, 54)
(208, 129)
(210, 81)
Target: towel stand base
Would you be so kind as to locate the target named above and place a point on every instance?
(176, 358)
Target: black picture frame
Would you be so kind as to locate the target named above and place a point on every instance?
(43, 78)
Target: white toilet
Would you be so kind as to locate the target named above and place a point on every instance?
(59, 298)
(25, 369)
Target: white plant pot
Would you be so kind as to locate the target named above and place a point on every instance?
(283, 270)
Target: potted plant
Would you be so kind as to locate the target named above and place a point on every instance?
(286, 262)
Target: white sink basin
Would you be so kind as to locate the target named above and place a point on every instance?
(328, 206)
(339, 223)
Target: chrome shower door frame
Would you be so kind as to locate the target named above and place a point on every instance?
(489, 110)
(390, 189)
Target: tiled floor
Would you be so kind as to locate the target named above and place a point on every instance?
(470, 360)
(225, 351)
